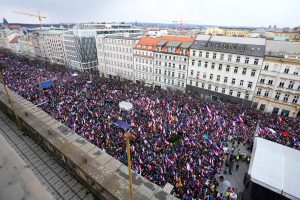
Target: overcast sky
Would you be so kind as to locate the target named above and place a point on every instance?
(208, 12)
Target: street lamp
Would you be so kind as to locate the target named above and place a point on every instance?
(127, 138)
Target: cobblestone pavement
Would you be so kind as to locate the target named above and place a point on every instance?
(58, 181)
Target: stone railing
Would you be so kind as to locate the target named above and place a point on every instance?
(103, 175)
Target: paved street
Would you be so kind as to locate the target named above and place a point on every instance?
(58, 181)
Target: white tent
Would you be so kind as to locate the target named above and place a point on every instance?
(125, 105)
(276, 167)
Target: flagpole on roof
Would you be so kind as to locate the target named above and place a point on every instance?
(127, 137)
(8, 97)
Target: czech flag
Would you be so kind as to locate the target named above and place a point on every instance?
(239, 119)
(206, 108)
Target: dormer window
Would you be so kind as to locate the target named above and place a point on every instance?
(243, 48)
(225, 46)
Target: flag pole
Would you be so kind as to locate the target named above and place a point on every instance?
(127, 137)
(8, 97)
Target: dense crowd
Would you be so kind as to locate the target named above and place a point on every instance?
(177, 138)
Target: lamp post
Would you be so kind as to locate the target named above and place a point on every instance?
(127, 137)
(8, 97)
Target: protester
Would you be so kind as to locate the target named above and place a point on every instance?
(177, 138)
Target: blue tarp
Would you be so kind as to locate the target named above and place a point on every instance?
(122, 124)
(46, 84)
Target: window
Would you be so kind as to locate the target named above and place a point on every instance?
(194, 53)
(220, 66)
(247, 96)
(244, 71)
(262, 80)
(191, 82)
(223, 90)
(275, 110)
(286, 70)
(230, 92)
(296, 72)
(207, 55)
(258, 91)
(225, 79)
(179, 75)
(266, 67)
(227, 68)
(197, 83)
(266, 93)
(233, 81)
(286, 97)
(256, 61)
(277, 96)
(200, 54)
(229, 57)
(193, 62)
(182, 84)
(173, 65)
(291, 85)
(192, 72)
(209, 87)
(216, 88)
(270, 82)
(222, 57)
(204, 75)
(199, 63)
(235, 70)
(262, 107)
(254, 105)
(205, 64)
(218, 78)
(247, 60)
(212, 65)
(281, 84)
(241, 82)
(250, 85)
(238, 58)
(214, 56)
(238, 94)
(202, 85)
(211, 76)
(253, 72)
(173, 74)
(295, 99)
(183, 76)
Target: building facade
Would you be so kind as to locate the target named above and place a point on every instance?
(144, 60)
(225, 67)
(55, 46)
(171, 62)
(278, 87)
(115, 57)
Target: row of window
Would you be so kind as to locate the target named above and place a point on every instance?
(119, 41)
(181, 67)
(170, 73)
(117, 56)
(281, 84)
(286, 69)
(227, 57)
(143, 53)
(144, 68)
(144, 61)
(169, 57)
(119, 49)
(118, 64)
(223, 90)
(278, 95)
(169, 81)
(139, 75)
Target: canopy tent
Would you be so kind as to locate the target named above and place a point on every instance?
(75, 74)
(276, 167)
(125, 105)
(122, 124)
(46, 84)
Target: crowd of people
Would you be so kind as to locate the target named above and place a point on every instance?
(176, 138)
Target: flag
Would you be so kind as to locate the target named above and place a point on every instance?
(188, 167)
(239, 119)
(206, 108)
(279, 120)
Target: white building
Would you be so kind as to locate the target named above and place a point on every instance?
(115, 56)
(278, 87)
(55, 46)
(171, 62)
(157, 32)
(225, 67)
(144, 60)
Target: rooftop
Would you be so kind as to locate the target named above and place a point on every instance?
(282, 47)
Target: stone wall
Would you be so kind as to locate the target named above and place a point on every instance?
(104, 176)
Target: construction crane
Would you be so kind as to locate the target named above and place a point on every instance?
(180, 22)
(40, 18)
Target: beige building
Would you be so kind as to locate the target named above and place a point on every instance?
(214, 31)
(278, 87)
(55, 46)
